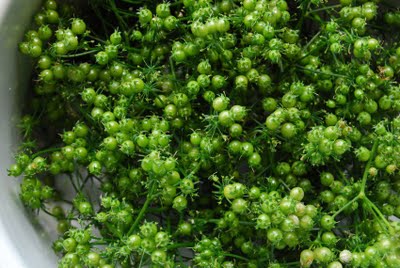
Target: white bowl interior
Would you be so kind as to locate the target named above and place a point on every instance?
(22, 244)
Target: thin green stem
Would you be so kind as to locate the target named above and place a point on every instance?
(45, 151)
(79, 54)
(217, 220)
(48, 212)
(84, 182)
(284, 184)
(76, 188)
(324, 8)
(379, 214)
(96, 38)
(311, 40)
(146, 204)
(236, 256)
(133, 2)
(367, 167)
(66, 201)
(362, 195)
(98, 243)
(121, 21)
(101, 239)
(319, 72)
(169, 227)
(156, 210)
(342, 175)
(141, 259)
(171, 64)
(293, 264)
(304, 7)
(181, 245)
(194, 171)
(346, 206)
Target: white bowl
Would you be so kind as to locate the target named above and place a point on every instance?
(22, 244)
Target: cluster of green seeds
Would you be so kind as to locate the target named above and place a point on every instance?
(253, 133)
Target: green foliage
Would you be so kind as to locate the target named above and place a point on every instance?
(215, 133)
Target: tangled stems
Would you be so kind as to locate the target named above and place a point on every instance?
(362, 196)
(121, 21)
(376, 211)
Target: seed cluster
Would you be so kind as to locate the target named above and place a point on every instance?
(254, 133)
